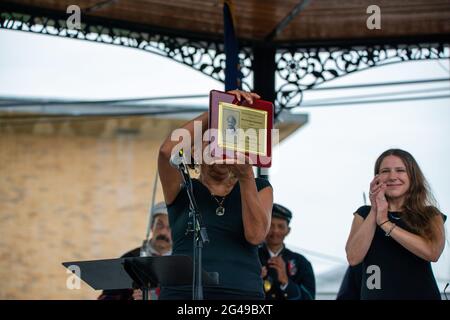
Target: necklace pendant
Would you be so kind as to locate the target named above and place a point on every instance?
(220, 211)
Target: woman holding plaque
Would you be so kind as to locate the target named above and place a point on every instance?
(236, 211)
(399, 235)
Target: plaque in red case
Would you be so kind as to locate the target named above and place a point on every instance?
(241, 127)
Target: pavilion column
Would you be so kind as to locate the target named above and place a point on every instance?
(264, 79)
(264, 72)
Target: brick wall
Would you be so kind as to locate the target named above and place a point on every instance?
(71, 190)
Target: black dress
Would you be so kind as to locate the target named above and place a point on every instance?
(350, 288)
(227, 253)
(403, 275)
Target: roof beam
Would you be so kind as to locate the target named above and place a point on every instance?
(286, 20)
(100, 5)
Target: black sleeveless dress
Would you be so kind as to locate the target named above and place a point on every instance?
(228, 253)
(403, 275)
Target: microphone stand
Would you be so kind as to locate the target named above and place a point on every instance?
(196, 226)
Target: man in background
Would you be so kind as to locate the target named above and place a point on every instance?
(159, 244)
(287, 275)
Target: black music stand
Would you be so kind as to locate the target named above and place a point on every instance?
(139, 273)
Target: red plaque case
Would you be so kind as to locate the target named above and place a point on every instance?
(264, 159)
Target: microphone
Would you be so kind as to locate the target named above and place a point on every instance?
(177, 160)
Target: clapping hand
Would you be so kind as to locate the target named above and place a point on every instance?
(280, 266)
(378, 198)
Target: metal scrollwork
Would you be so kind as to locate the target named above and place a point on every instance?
(302, 69)
(297, 69)
(207, 57)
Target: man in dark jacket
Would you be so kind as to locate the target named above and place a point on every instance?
(287, 275)
(159, 244)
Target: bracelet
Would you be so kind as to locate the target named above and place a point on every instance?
(383, 223)
(388, 234)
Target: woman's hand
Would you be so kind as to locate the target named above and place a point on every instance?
(248, 96)
(241, 167)
(375, 187)
(378, 199)
(241, 171)
(382, 205)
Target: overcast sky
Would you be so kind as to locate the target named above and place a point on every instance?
(323, 169)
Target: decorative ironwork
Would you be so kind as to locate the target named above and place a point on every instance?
(302, 69)
(206, 56)
(297, 69)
